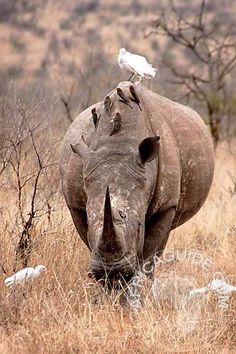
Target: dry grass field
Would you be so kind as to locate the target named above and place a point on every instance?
(54, 50)
(66, 312)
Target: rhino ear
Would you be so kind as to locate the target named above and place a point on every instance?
(81, 149)
(148, 149)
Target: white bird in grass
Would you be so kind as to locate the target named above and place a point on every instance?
(24, 275)
(217, 285)
(136, 65)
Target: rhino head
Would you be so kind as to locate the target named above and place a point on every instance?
(118, 192)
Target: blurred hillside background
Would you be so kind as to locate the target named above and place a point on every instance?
(57, 58)
(70, 48)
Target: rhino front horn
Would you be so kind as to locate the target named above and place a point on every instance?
(109, 242)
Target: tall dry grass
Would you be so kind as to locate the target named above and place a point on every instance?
(64, 311)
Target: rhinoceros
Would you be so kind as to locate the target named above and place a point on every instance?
(133, 167)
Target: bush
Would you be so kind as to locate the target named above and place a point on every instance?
(17, 43)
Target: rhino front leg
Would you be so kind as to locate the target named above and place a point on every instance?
(157, 231)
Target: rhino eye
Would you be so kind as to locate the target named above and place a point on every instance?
(122, 215)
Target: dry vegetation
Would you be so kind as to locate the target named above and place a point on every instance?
(50, 70)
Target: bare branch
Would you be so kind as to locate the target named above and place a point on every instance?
(67, 107)
(214, 49)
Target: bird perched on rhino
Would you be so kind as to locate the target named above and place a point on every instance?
(136, 65)
(24, 275)
(135, 97)
(122, 96)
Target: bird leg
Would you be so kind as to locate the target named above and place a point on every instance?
(132, 75)
(140, 79)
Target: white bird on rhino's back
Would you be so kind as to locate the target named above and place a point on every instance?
(135, 65)
(24, 275)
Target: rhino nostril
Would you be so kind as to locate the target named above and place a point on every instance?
(127, 277)
(99, 275)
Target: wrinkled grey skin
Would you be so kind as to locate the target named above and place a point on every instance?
(125, 197)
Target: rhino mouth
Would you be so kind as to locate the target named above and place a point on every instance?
(113, 274)
(114, 281)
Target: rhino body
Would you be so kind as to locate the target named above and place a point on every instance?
(127, 190)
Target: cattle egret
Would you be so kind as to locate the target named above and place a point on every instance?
(24, 275)
(136, 65)
(217, 285)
